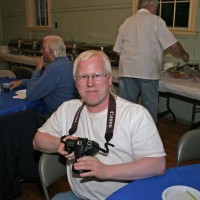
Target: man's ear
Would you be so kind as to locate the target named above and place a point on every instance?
(152, 9)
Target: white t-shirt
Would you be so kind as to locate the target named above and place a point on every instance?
(140, 42)
(135, 136)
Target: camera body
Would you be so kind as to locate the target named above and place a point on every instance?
(81, 147)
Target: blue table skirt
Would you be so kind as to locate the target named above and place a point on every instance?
(152, 188)
(10, 105)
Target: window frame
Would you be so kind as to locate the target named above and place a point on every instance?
(30, 16)
(191, 29)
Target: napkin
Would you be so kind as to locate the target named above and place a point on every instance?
(20, 94)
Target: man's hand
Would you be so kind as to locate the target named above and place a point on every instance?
(14, 84)
(92, 165)
(40, 64)
(61, 149)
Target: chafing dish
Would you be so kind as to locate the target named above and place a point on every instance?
(25, 47)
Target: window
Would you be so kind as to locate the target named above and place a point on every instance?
(38, 14)
(179, 15)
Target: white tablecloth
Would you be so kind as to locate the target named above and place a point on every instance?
(26, 60)
(184, 87)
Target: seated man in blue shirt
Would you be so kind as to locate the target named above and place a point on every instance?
(52, 80)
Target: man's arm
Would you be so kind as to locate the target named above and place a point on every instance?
(178, 49)
(45, 142)
(142, 168)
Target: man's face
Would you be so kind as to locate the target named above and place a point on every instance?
(45, 51)
(94, 91)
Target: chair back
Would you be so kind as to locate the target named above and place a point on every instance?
(7, 73)
(188, 147)
(51, 168)
(23, 72)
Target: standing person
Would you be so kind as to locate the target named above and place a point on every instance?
(140, 43)
(52, 79)
(131, 147)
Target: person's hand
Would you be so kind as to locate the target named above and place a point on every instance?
(40, 64)
(92, 165)
(61, 148)
(14, 84)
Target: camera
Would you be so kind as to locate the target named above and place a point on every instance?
(81, 147)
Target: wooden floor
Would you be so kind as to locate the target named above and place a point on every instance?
(170, 133)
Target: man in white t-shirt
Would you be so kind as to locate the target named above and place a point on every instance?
(140, 44)
(124, 144)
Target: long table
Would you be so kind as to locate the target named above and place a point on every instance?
(22, 59)
(184, 87)
(173, 87)
(189, 88)
(152, 188)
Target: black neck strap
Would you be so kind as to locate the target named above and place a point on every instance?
(110, 119)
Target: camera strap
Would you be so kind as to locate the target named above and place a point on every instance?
(111, 115)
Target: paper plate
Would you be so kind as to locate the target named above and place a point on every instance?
(20, 92)
(180, 192)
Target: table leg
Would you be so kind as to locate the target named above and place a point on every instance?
(193, 124)
(169, 110)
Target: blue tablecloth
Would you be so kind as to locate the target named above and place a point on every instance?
(10, 105)
(152, 188)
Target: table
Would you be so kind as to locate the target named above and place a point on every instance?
(187, 88)
(152, 188)
(173, 87)
(19, 121)
(10, 105)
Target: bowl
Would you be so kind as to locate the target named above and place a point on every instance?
(183, 73)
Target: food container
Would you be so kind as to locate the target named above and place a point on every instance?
(4, 49)
(183, 73)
